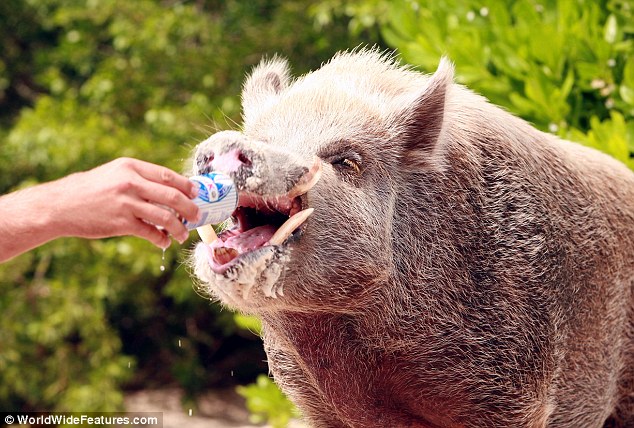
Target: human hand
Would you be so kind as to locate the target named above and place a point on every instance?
(123, 197)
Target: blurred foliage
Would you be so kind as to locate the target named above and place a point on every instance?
(267, 403)
(565, 66)
(248, 323)
(84, 82)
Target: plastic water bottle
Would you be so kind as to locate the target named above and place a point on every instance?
(217, 199)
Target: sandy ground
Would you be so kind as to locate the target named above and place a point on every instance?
(217, 409)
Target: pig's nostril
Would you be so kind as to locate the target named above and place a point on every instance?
(244, 159)
(230, 161)
(204, 163)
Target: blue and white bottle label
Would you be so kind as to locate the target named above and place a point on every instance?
(217, 199)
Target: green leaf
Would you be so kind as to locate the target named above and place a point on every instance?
(267, 403)
(627, 94)
(611, 30)
(250, 323)
(610, 136)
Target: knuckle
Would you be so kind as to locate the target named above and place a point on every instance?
(172, 196)
(124, 162)
(166, 176)
(123, 207)
(166, 218)
(124, 186)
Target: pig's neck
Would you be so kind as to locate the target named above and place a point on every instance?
(363, 386)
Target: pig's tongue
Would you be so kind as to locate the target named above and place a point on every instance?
(235, 242)
(234, 245)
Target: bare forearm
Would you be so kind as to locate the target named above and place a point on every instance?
(26, 220)
(122, 197)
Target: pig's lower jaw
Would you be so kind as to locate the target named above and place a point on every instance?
(249, 282)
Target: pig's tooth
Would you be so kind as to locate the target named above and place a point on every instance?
(207, 234)
(308, 181)
(289, 226)
(223, 255)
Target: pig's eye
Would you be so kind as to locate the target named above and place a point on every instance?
(347, 165)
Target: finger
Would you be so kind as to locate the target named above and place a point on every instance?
(169, 197)
(151, 234)
(162, 175)
(161, 217)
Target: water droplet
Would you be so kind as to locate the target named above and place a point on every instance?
(190, 412)
(231, 373)
(163, 261)
(179, 343)
(129, 364)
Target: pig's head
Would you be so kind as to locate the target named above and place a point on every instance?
(319, 166)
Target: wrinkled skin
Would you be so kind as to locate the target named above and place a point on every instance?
(460, 268)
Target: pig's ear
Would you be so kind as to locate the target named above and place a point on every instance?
(263, 86)
(423, 120)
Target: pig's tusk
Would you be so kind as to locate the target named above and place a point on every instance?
(207, 234)
(308, 181)
(289, 226)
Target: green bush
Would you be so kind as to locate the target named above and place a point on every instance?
(565, 66)
(82, 83)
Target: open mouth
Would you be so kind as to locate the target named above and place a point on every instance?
(258, 222)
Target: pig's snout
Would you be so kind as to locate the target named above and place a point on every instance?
(257, 167)
(230, 161)
(229, 152)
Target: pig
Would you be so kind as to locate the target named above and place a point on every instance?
(420, 257)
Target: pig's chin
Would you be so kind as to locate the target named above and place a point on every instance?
(242, 267)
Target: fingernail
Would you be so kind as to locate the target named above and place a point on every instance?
(183, 237)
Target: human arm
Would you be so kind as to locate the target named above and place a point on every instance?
(121, 197)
